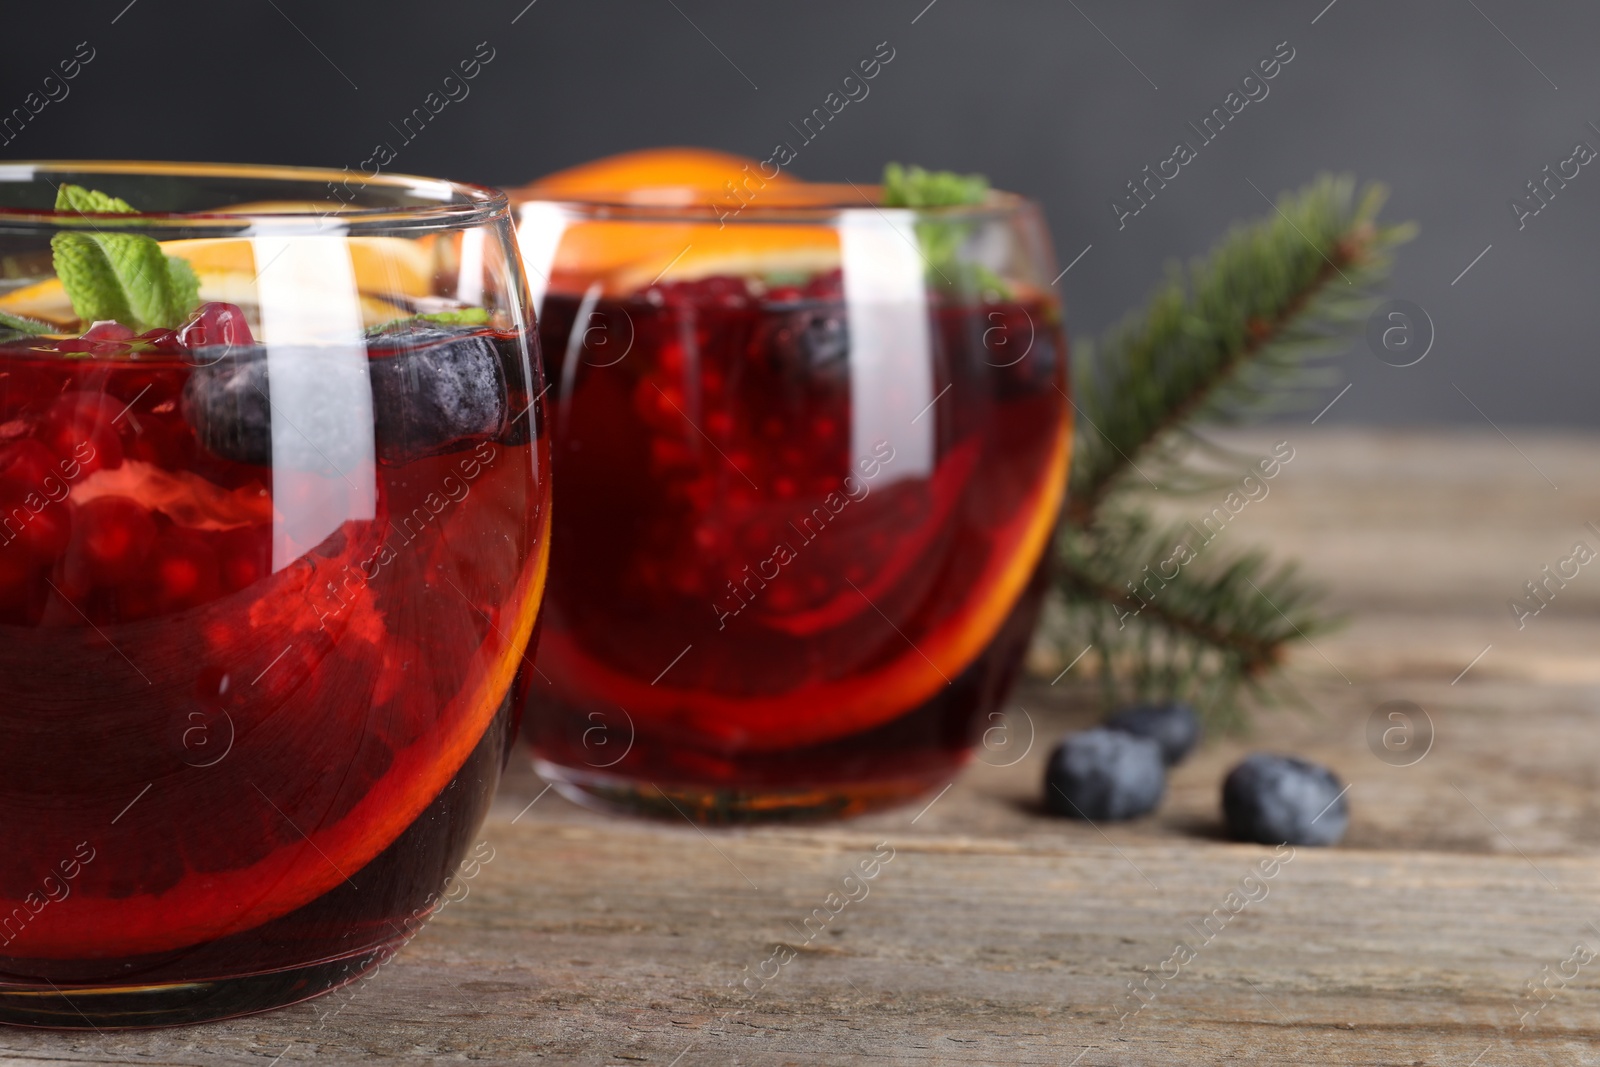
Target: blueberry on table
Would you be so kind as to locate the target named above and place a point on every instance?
(431, 388)
(1282, 800)
(1175, 727)
(1104, 774)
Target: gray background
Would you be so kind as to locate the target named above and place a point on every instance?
(1430, 97)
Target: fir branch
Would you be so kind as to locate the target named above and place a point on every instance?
(1235, 335)
(1178, 618)
(1239, 333)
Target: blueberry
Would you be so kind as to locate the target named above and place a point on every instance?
(1104, 774)
(441, 386)
(430, 388)
(809, 337)
(1175, 727)
(225, 402)
(1280, 799)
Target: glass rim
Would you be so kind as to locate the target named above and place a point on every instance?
(452, 203)
(803, 202)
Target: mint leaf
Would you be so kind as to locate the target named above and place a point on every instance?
(89, 201)
(914, 187)
(458, 317)
(89, 279)
(184, 288)
(141, 269)
(22, 324)
(463, 317)
(124, 277)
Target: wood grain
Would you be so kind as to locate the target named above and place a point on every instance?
(997, 935)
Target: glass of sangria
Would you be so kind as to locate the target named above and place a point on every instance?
(810, 453)
(274, 527)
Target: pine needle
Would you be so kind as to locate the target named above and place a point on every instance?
(1238, 334)
(1245, 332)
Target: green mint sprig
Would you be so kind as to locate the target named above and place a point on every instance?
(914, 187)
(123, 277)
(24, 325)
(461, 317)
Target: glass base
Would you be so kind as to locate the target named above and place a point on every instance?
(346, 933)
(669, 775)
(734, 806)
(140, 1005)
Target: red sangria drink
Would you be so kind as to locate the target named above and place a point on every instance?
(810, 461)
(273, 539)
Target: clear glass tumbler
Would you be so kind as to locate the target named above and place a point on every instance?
(809, 456)
(274, 527)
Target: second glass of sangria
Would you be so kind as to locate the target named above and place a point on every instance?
(810, 452)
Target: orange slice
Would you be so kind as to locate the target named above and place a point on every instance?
(383, 266)
(631, 175)
(303, 870)
(816, 713)
(627, 255)
(626, 260)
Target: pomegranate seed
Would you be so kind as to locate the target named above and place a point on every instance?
(667, 453)
(163, 341)
(183, 570)
(111, 538)
(26, 464)
(34, 525)
(669, 357)
(215, 323)
(829, 286)
(167, 443)
(107, 330)
(82, 427)
(245, 556)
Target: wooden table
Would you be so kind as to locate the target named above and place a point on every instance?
(997, 935)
